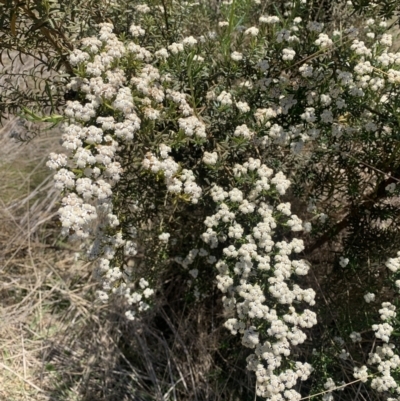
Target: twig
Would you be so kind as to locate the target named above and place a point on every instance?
(372, 167)
(329, 391)
(23, 351)
(377, 194)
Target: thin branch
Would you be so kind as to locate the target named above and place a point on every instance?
(337, 228)
(329, 391)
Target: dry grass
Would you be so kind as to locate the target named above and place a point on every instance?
(54, 344)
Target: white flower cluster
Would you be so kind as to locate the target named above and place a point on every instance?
(383, 331)
(236, 56)
(210, 158)
(323, 41)
(178, 181)
(369, 297)
(343, 261)
(243, 131)
(361, 373)
(355, 337)
(288, 54)
(315, 26)
(192, 126)
(385, 360)
(180, 99)
(270, 19)
(393, 264)
(243, 107)
(225, 98)
(164, 237)
(191, 257)
(250, 257)
(388, 311)
(252, 31)
(136, 298)
(176, 48)
(329, 386)
(91, 170)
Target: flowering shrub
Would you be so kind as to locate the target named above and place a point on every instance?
(236, 156)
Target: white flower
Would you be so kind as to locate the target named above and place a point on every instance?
(323, 41)
(198, 58)
(391, 187)
(103, 296)
(269, 19)
(328, 397)
(369, 297)
(253, 31)
(330, 384)
(78, 56)
(388, 311)
(148, 292)
(225, 98)
(56, 161)
(243, 131)
(386, 40)
(210, 158)
(314, 26)
(143, 283)
(355, 337)
(393, 264)
(162, 53)
(142, 8)
(284, 208)
(136, 30)
(360, 48)
(344, 354)
(243, 107)
(382, 331)
(306, 70)
(288, 54)
(164, 237)
(236, 56)
(309, 115)
(130, 315)
(175, 48)
(236, 195)
(194, 273)
(192, 126)
(307, 226)
(189, 41)
(281, 183)
(151, 114)
(323, 217)
(361, 373)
